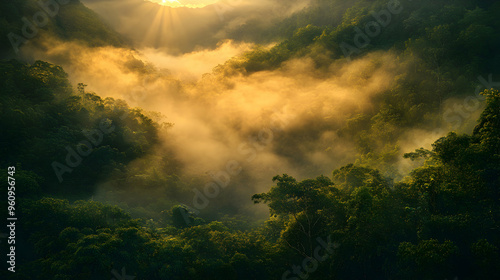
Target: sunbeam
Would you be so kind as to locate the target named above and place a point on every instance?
(184, 3)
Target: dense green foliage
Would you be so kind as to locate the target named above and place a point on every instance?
(442, 221)
(71, 21)
(439, 222)
(445, 46)
(42, 120)
(438, 32)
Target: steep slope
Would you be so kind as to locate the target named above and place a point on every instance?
(444, 45)
(26, 20)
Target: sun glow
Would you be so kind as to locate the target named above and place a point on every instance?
(171, 2)
(184, 3)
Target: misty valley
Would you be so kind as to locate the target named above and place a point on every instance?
(238, 139)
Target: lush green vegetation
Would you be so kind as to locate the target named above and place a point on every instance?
(68, 21)
(441, 221)
(436, 31)
(446, 45)
(43, 121)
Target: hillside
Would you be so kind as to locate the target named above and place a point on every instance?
(26, 20)
(355, 140)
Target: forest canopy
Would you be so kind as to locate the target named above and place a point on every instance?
(105, 189)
